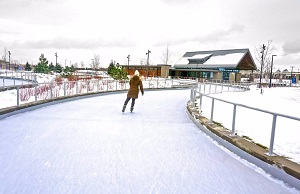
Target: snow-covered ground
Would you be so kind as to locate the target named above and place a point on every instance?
(90, 146)
(257, 125)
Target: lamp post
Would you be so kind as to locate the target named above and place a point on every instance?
(9, 53)
(271, 71)
(291, 75)
(261, 67)
(148, 52)
(65, 63)
(55, 58)
(128, 57)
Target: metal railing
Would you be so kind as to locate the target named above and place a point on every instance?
(10, 78)
(26, 93)
(201, 93)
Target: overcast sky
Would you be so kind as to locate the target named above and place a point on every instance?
(77, 30)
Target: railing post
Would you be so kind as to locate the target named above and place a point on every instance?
(194, 97)
(191, 95)
(209, 88)
(18, 95)
(212, 111)
(222, 88)
(272, 135)
(35, 92)
(77, 86)
(233, 120)
(87, 83)
(51, 93)
(200, 104)
(64, 88)
(215, 88)
(106, 84)
(204, 87)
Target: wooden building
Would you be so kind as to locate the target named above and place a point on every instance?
(148, 70)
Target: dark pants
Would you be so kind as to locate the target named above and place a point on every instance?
(127, 100)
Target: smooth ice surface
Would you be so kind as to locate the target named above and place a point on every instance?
(90, 146)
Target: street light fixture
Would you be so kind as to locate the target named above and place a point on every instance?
(9, 53)
(261, 67)
(128, 57)
(147, 53)
(55, 58)
(270, 84)
(291, 75)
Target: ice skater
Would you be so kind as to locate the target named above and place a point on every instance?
(135, 84)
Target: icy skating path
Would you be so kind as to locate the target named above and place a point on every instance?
(89, 146)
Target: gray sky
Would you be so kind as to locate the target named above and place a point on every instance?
(77, 30)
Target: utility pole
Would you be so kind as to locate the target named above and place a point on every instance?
(148, 52)
(291, 76)
(56, 58)
(261, 67)
(270, 84)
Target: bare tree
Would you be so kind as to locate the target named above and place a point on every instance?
(143, 61)
(266, 69)
(166, 56)
(82, 64)
(4, 54)
(95, 62)
(75, 65)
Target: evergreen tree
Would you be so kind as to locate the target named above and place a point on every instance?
(67, 69)
(117, 72)
(27, 67)
(110, 68)
(51, 67)
(72, 68)
(42, 66)
(58, 68)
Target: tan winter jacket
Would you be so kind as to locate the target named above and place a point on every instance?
(135, 84)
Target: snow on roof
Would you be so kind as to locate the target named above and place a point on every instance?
(200, 56)
(229, 59)
(183, 60)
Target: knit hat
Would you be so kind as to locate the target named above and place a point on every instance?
(137, 73)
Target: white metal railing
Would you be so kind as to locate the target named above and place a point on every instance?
(201, 93)
(26, 93)
(10, 78)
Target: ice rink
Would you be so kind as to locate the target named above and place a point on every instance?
(90, 146)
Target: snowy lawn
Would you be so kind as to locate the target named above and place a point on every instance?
(257, 125)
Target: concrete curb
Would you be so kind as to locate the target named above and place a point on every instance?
(278, 166)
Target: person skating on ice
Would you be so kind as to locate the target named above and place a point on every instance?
(135, 84)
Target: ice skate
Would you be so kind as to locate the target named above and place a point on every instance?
(123, 109)
(131, 109)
